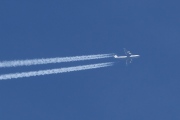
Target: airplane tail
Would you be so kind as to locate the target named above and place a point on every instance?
(115, 56)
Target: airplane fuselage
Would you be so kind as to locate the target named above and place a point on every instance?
(131, 56)
(134, 56)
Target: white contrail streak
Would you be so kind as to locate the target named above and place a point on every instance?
(16, 63)
(54, 71)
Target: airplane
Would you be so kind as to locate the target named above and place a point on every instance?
(129, 57)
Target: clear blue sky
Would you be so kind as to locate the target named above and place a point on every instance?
(148, 89)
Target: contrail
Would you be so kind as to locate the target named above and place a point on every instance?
(54, 71)
(16, 63)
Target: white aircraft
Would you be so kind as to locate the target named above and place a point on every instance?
(129, 57)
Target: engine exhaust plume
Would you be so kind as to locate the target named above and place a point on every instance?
(30, 62)
(54, 71)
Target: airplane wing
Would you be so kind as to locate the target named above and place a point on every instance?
(128, 61)
(127, 52)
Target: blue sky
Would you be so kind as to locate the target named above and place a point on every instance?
(147, 89)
